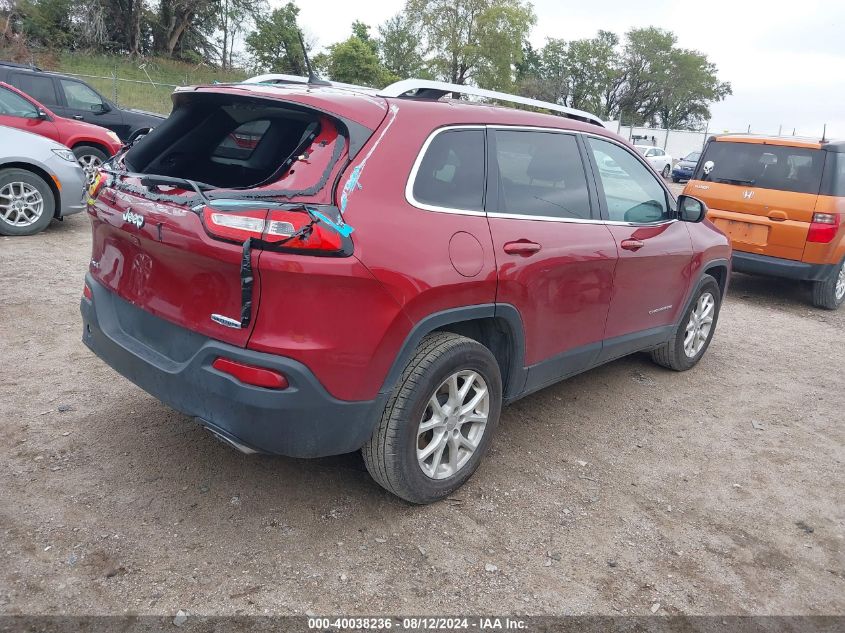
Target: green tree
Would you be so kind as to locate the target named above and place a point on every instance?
(400, 46)
(473, 40)
(362, 32)
(274, 44)
(354, 61)
(594, 77)
(234, 17)
(685, 100)
(666, 85)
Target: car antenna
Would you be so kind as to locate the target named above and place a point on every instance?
(312, 76)
(824, 134)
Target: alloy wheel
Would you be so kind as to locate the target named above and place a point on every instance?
(699, 325)
(839, 291)
(90, 164)
(21, 204)
(453, 424)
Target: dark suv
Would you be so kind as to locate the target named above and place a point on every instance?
(311, 270)
(74, 99)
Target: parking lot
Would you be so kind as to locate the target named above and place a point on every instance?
(627, 490)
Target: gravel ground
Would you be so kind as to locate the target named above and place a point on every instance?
(715, 491)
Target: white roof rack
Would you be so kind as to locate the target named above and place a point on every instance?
(426, 89)
(279, 78)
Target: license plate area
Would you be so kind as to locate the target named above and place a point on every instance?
(745, 232)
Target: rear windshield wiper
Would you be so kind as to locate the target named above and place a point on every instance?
(735, 181)
(155, 179)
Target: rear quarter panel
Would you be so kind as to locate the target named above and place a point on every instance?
(833, 252)
(405, 248)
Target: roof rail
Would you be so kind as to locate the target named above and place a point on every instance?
(279, 78)
(426, 89)
(17, 65)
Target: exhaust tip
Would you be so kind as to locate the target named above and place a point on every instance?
(228, 441)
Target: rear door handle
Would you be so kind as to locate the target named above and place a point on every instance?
(77, 117)
(777, 215)
(632, 245)
(522, 247)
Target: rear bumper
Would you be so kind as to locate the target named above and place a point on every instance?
(174, 365)
(777, 267)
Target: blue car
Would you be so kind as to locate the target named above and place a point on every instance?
(684, 168)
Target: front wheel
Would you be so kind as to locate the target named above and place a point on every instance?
(830, 293)
(90, 159)
(439, 421)
(693, 336)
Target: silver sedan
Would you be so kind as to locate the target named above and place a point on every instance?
(39, 180)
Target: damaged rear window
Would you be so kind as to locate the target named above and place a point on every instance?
(233, 143)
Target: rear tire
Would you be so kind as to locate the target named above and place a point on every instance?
(27, 203)
(666, 171)
(830, 293)
(681, 353)
(427, 444)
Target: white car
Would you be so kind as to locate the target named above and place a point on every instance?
(657, 158)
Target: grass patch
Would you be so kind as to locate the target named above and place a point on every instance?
(146, 88)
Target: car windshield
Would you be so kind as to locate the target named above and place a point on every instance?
(692, 157)
(779, 167)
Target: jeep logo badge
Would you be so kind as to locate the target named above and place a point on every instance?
(133, 218)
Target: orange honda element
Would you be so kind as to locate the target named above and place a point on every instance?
(781, 201)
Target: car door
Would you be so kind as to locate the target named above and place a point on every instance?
(652, 276)
(554, 255)
(20, 113)
(83, 103)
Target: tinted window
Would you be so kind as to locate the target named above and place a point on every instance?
(38, 87)
(79, 96)
(451, 173)
(542, 174)
(241, 143)
(834, 178)
(12, 104)
(767, 166)
(631, 193)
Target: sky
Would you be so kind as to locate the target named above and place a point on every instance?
(785, 60)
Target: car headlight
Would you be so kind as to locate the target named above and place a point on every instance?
(65, 154)
(113, 136)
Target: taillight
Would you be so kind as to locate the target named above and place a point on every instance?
(237, 227)
(86, 292)
(823, 228)
(277, 226)
(250, 374)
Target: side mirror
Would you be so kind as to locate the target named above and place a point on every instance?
(100, 108)
(691, 209)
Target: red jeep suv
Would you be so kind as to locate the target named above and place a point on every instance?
(315, 269)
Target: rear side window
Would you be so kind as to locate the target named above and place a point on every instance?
(834, 175)
(38, 87)
(541, 174)
(779, 167)
(451, 173)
